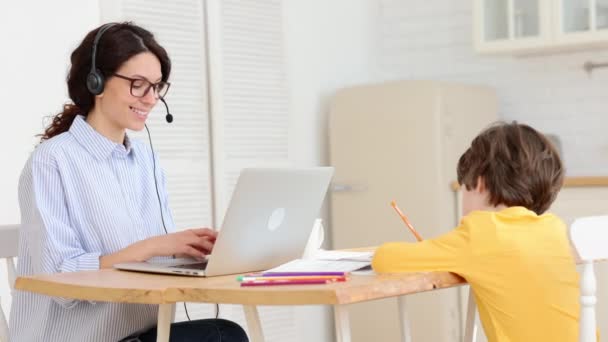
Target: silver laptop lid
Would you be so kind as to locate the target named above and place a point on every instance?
(269, 219)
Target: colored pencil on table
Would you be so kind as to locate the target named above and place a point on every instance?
(288, 282)
(248, 278)
(291, 274)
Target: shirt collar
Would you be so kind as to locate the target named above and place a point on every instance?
(95, 143)
(517, 211)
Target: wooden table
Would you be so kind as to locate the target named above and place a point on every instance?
(166, 290)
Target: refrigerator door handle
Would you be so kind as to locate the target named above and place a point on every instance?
(341, 187)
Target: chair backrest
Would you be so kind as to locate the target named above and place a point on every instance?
(9, 244)
(589, 235)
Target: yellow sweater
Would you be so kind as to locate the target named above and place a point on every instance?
(519, 265)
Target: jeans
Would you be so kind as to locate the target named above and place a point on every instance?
(203, 330)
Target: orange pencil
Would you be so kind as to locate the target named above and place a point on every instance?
(407, 222)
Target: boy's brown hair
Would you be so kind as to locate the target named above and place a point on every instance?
(518, 165)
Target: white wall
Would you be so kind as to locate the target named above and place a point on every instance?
(433, 40)
(36, 39)
(330, 44)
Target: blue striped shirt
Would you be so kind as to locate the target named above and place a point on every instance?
(83, 196)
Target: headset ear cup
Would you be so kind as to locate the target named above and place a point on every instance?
(95, 82)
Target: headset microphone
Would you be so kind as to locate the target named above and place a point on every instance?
(169, 116)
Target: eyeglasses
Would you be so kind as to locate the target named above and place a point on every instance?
(140, 87)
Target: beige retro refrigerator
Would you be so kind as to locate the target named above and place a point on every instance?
(401, 141)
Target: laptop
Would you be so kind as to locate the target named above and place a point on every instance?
(267, 223)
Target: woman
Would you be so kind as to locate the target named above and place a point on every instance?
(89, 200)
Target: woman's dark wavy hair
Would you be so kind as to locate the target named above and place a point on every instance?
(518, 165)
(117, 45)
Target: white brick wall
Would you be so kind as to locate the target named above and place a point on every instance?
(432, 39)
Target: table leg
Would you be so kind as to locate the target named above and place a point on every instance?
(253, 323)
(3, 326)
(406, 333)
(470, 328)
(165, 318)
(342, 323)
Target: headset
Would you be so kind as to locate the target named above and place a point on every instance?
(95, 84)
(95, 79)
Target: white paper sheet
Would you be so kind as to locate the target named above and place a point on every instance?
(308, 265)
(343, 255)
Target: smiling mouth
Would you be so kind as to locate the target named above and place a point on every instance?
(140, 113)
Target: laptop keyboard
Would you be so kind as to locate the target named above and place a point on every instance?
(197, 266)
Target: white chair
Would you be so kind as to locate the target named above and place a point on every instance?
(9, 240)
(589, 235)
(470, 327)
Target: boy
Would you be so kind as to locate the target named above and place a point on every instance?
(516, 258)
